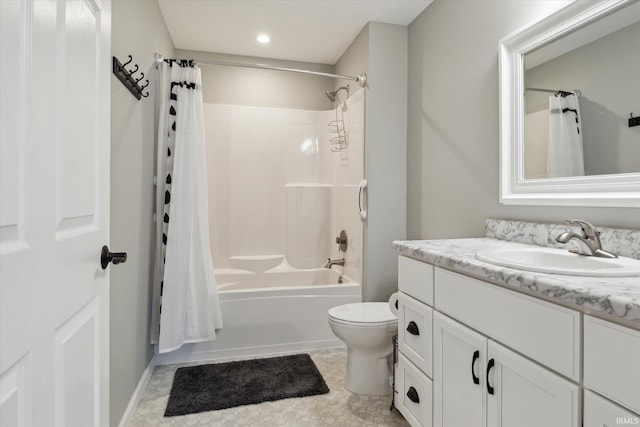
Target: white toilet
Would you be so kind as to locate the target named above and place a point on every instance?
(367, 329)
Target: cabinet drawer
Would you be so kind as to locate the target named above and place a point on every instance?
(415, 278)
(413, 393)
(612, 361)
(415, 331)
(547, 333)
(599, 412)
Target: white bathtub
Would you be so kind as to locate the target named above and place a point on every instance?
(273, 311)
(236, 280)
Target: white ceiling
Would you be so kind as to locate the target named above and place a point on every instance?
(301, 30)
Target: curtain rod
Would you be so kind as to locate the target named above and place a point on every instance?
(361, 80)
(535, 89)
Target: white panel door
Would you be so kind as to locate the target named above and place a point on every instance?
(458, 381)
(600, 412)
(522, 393)
(54, 212)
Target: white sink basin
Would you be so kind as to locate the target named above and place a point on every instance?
(560, 261)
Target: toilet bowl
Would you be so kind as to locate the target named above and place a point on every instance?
(367, 329)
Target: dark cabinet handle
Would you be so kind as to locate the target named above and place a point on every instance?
(107, 256)
(412, 394)
(489, 366)
(476, 356)
(412, 328)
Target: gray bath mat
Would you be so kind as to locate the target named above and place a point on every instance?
(226, 385)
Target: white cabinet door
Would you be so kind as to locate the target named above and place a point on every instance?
(600, 412)
(459, 360)
(612, 361)
(54, 212)
(524, 394)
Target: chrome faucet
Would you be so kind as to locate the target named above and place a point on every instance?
(588, 244)
(331, 262)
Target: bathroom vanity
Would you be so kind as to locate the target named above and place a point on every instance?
(485, 345)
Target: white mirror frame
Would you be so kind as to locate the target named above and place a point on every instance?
(616, 190)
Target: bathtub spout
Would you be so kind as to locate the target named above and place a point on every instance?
(331, 262)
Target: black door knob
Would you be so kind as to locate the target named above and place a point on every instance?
(115, 257)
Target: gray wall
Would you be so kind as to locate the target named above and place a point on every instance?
(603, 71)
(354, 60)
(380, 50)
(453, 122)
(137, 29)
(262, 88)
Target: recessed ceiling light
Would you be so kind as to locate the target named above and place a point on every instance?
(263, 38)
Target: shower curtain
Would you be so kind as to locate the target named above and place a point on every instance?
(564, 154)
(186, 308)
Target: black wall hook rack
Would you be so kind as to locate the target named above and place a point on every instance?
(127, 79)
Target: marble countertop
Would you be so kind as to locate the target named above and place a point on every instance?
(616, 299)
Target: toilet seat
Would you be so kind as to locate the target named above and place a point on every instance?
(363, 314)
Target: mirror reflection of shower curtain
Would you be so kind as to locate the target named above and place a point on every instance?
(565, 152)
(185, 308)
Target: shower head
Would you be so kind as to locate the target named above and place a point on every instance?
(333, 95)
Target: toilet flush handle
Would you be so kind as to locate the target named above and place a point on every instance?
(412, 328)
(413, 395)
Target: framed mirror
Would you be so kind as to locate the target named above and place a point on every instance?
(569, 92)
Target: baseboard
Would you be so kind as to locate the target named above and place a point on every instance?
(127, 417)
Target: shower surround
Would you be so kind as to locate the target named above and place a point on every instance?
(278, 197)
(275, 188)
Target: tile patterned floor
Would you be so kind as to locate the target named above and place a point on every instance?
(339, 407)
